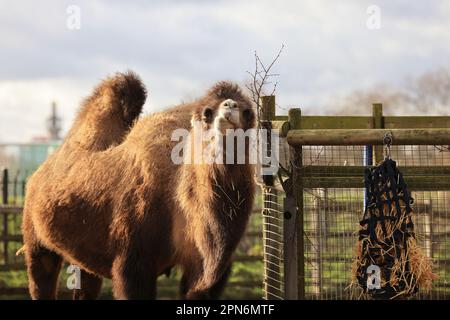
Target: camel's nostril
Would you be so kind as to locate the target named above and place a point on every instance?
(227, 115)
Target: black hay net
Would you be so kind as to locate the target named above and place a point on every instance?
(385, 230)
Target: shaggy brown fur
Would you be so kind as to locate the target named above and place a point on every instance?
(104, 119)
(129, 213)
(108, 113)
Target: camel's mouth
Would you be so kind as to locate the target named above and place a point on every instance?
(231, 122)
(224, 124)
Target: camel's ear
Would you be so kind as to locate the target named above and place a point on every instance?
(207, 115)
(249, 116)
(204, 115)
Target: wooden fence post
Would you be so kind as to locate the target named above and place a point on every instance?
(290, 248)
(5, 183)
(297, 182)
(271, 218)
(5, 186)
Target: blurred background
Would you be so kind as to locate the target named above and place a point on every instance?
(339, 58)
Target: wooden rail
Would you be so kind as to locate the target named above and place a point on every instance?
(422, 183)
(417, 177)
(11, 209)
(367, 122)
(336, 137)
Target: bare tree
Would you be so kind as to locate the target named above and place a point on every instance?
(426, 94)
(431, 91)
(260, 79)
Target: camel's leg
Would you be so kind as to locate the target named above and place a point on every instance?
(43, 268)
(190, 275)
(190, 278)
(43, 265)
(217, 289)
(133, 278)
(90, 287)
(215, 246)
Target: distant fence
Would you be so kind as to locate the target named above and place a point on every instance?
(13, 191)
(245, 282)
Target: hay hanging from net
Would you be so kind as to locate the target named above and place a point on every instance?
(387, 240)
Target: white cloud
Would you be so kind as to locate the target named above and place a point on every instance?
(25, 105)
(181, 47)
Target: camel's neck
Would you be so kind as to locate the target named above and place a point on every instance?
(230, 185)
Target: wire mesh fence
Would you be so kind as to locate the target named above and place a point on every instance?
(272, 213)
(333, 205)
(273, 231)
(331, 217)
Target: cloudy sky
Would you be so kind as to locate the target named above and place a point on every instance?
(181, 47)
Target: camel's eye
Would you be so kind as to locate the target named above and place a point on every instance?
(229, 103)
(207, 115)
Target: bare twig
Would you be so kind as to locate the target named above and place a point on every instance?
(260, 80)
(442, 148)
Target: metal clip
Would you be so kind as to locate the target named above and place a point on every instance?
(387, 141)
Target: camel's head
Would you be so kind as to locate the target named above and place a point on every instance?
(222, 123)
(225, 107)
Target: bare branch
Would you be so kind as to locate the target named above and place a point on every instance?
(256, 87)
(260, 80)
